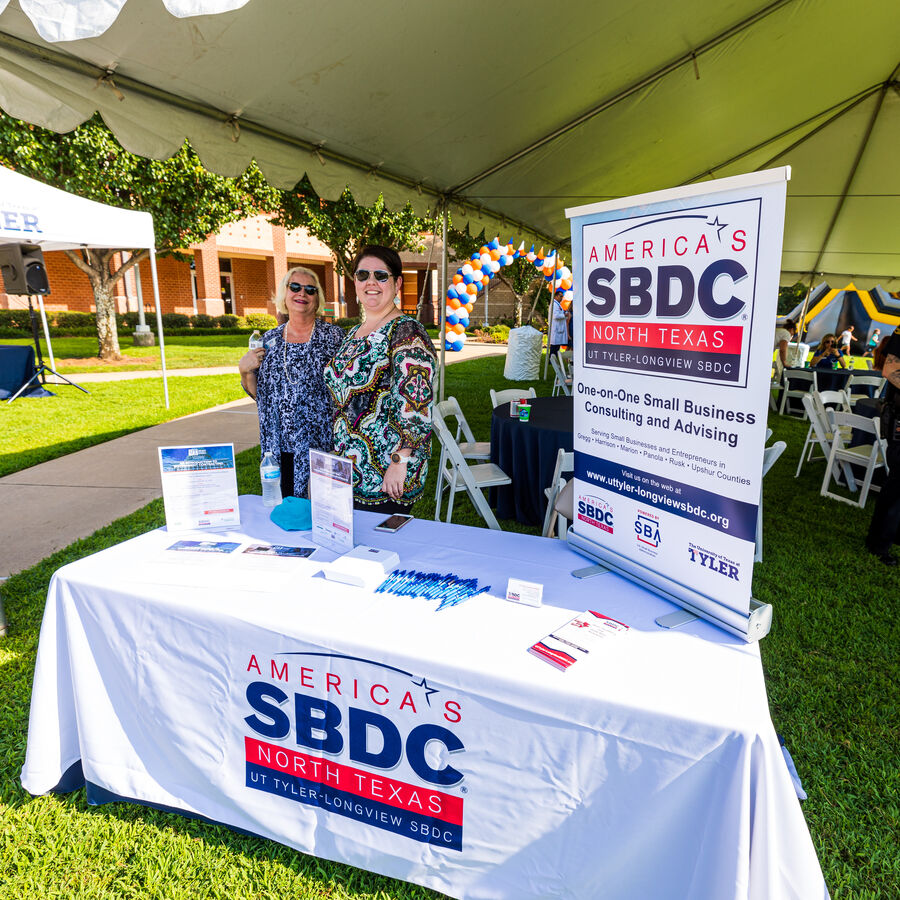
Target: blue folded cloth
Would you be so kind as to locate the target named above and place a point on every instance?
(293, 514)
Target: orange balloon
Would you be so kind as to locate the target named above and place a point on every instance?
(566, 284)
(566, 304)
(459, 328)
(495, 255)
(475, 263)
(453, 303)
(472, 288)
(457, 279)
(470, 307)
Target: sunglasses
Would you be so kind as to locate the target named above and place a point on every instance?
(310, 289)
(378, 275)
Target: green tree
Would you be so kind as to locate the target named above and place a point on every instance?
(187, 202)
(791, 297)
(344, 226)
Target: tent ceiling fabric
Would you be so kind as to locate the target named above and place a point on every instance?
(511, 111)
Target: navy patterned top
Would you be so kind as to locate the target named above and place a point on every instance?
(383, 391)
(294, 406)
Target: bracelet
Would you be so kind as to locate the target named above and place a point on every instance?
(397, 458)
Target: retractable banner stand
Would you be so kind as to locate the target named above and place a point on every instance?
(676, 296)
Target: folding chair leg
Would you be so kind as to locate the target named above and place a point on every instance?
(481, 504)
(451, 498)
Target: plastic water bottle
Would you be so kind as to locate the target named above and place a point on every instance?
(255, 341)
(270, 476)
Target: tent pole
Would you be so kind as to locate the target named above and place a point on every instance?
(549, 312)
(159, 325)
(443, 304)
(40, 300)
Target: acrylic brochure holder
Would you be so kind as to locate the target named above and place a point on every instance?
(751, 627)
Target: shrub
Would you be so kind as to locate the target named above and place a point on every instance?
(347, 323)
(15, 320)
(203, 321)
(66, 320)
(227, 321)
(262, 321)
(175, 320)
(493, 334)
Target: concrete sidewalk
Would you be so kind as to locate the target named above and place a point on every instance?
(55, 503)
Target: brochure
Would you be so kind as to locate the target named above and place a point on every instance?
(331, 497)
(199, 486)
(577, 639)
(280, 550)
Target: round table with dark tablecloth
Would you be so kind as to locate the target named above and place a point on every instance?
(527, 452)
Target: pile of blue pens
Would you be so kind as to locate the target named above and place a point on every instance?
(449, 589)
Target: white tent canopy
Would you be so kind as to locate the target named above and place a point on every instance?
(35, 213)
(511, 112)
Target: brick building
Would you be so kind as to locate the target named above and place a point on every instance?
(236, 271)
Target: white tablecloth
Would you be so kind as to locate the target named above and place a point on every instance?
(427, 746)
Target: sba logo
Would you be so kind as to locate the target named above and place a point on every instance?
(597, 513)
(647, 531)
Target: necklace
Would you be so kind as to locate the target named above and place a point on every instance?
(305, 345)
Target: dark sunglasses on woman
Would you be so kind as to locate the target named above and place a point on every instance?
(310, 289)
(378, 275)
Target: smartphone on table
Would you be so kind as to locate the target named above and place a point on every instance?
(393, 523)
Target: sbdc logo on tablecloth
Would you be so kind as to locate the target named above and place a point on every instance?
(672, 294)
(361, 719)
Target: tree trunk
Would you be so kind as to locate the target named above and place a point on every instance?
(107, 333)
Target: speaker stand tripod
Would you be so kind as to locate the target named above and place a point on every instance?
(42, 368)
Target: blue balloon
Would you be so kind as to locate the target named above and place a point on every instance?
(467, 279)
(452, 319)
(451, 293)
(494, 244)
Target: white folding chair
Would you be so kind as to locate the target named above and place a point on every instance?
(865, 385)
(561, 383)
(565, 465)
(460, 476)
(870, 455)
(819, 433)
(806, 378)
(498, 397)
(770, 455)
(470, 448)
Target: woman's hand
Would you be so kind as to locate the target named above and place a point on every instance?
(251, 361)
(394, 480)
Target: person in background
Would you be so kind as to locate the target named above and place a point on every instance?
(558, 337)
(784, 334)
(381, 381)
(885, 524)
(880, 353)
(873, 342)
(285, 379)
(827, 355)
(846, 338)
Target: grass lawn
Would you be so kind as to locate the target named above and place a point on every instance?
(831, 666)
(35, 430)
(181, 353)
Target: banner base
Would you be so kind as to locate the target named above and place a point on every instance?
(751, 626)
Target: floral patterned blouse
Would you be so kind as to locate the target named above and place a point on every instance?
(294, 406)
(382, 387)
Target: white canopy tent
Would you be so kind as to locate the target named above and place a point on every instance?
(509, 113)
(35, 213)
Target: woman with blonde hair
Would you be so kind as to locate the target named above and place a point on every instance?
(285, 379)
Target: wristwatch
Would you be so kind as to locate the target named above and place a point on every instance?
(397, 458)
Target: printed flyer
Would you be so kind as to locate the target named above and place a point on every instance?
(676, 300)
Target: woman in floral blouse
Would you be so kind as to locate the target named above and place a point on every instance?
(285, 378)
(381, 382)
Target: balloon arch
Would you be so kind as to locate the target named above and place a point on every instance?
(474, 275)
